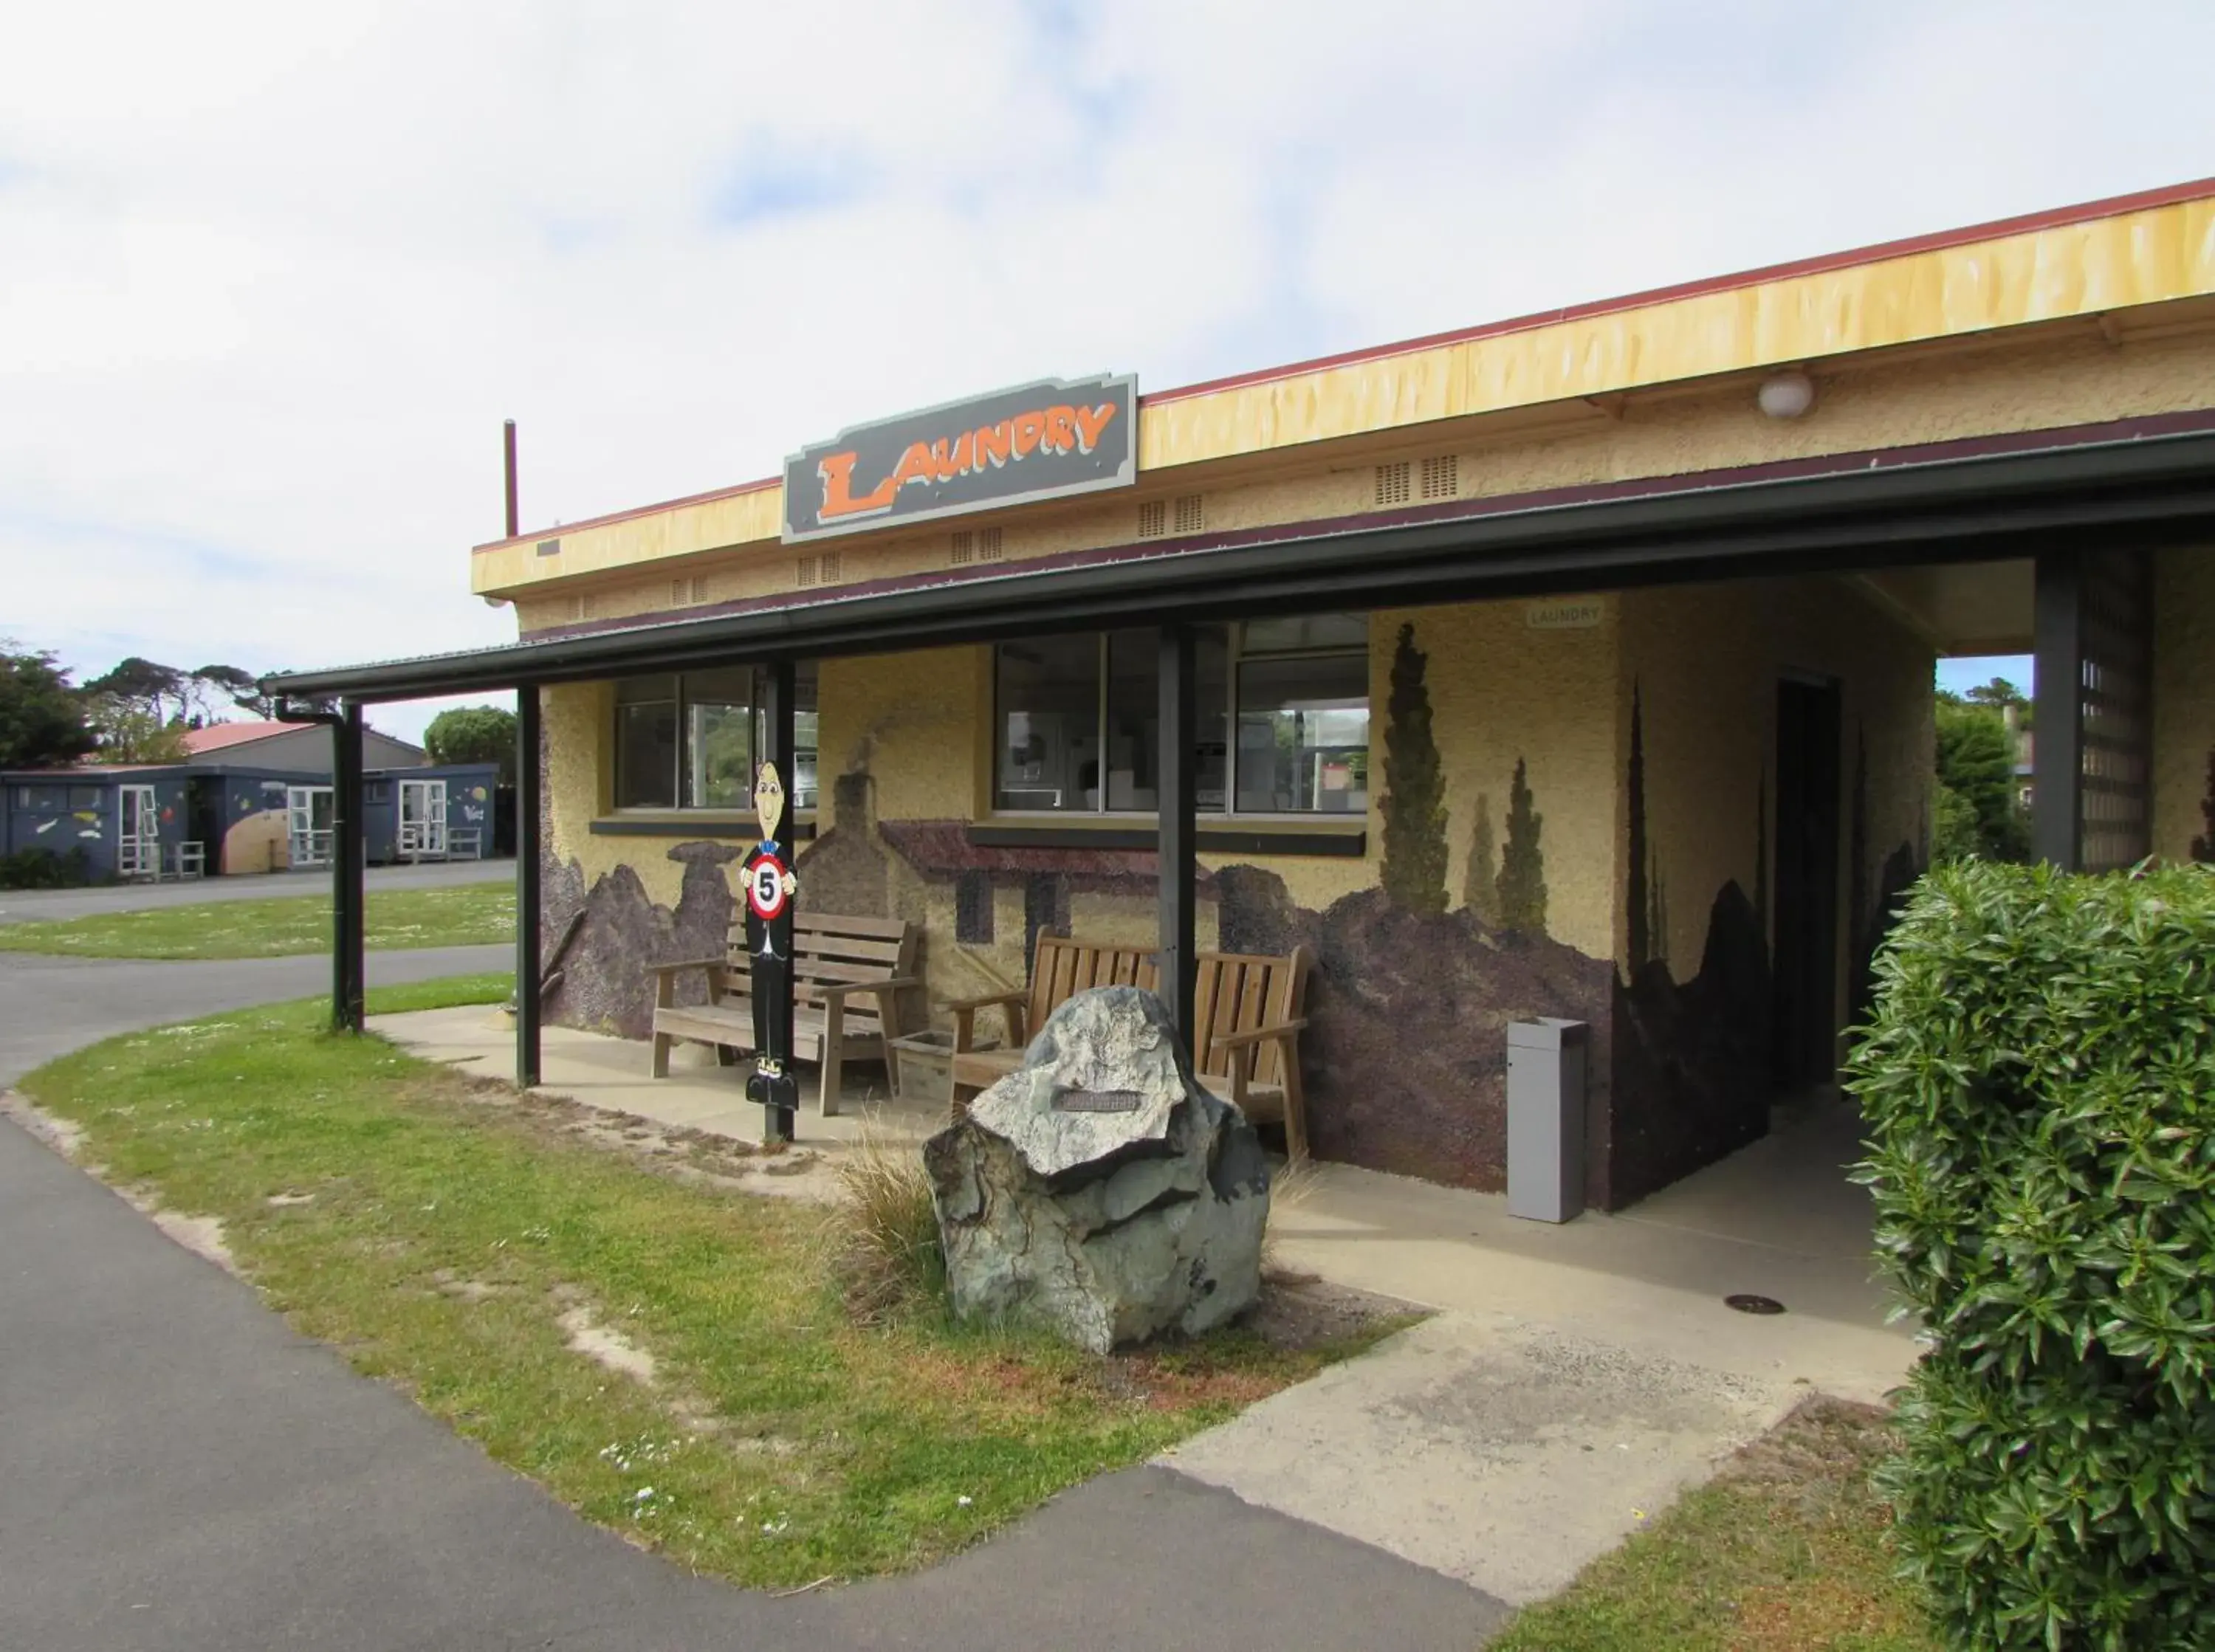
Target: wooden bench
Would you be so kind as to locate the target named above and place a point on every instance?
(1249, 1011)
(847, 972)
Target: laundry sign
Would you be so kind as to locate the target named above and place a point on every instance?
(1566, 614)
(1037, 441)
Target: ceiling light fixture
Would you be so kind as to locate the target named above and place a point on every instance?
(1786, 394)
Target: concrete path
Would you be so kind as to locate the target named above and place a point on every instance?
(39, 905)
(179, 1471)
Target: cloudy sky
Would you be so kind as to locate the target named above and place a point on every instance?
(272, 276)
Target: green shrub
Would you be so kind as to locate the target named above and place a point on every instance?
(2039, 1080)
(44, 869)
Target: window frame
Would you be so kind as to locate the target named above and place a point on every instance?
(681, 704)
(1234, 654)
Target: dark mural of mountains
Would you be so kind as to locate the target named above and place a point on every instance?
(1406, 1052)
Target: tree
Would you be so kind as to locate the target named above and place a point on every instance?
(1999, 693)
(1415, 871)
(1523, 864)
(1976, 763)
(1480, 887)
(159, 691)
(129, 733)
(41, 719)
(473, 734)
(240, 688)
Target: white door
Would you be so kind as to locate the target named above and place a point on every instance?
(422, 820)
(308, 811)
(138, 844)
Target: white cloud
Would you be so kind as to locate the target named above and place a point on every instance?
(271, 276)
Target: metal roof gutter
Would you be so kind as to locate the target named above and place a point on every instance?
(1887, 513)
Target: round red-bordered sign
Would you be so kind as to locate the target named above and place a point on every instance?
(765, 888)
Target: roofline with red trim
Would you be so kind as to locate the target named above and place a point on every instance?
(2024, 223)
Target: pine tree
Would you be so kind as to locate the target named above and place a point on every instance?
(1523, 864)
(1414, 870)
(1480, 889)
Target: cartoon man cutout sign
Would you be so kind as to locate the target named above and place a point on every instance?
(769, 887)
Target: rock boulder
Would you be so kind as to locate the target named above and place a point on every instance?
(1098, 1190)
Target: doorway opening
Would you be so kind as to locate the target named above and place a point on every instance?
(1803, 1049)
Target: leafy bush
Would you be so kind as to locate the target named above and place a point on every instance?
(44, 869)
(2038, 1079)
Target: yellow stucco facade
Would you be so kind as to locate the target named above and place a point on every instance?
(2184, 701)
(2086, 298)
(1644, 721)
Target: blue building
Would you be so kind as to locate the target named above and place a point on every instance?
(194, 819)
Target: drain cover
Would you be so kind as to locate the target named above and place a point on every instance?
(1754, 1304)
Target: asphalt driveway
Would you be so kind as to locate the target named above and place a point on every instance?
(179, 1471)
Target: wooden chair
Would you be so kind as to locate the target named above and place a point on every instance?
(1249, 1011)
(848, 973)
(1060, 968)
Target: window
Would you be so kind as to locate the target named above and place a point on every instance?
(1079, 722)
(687, 739)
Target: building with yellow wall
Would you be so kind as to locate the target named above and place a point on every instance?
(1640, 601)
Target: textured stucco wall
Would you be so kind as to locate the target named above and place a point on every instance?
(1706, 660)
(1503, 689)
(2183, 700)
(1933, 394)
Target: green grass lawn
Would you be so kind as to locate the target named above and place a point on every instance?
(1782, 1551)
(466, 915)
(438, 1230)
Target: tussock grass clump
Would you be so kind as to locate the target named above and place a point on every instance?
(885, 1248)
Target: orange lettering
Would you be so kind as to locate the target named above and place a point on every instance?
(1030, 431)
(836, 471)
(996, 443)
(1090, 421)
(1061, 428)
(951, 461)
(915, 466)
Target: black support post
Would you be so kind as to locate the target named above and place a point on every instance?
(1179, 828)
(527, 966)
(349, 853)
(780, 684)
(2057, 795)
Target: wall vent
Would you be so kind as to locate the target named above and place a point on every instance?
(1441, 478)
(1153, 519)
(683, 593)
(821, 569)
(1392, 483)
(988, 545)
(550, 548)
(699, 587)
(962, 549)
(1191, 513)
(584, 607)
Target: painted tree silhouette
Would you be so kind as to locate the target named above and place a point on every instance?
(1414, 870)
(1480, 885)
(1523, 864)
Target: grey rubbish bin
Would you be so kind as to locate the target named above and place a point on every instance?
(1546, 1119)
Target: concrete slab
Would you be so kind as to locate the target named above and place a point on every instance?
(1504, 1453)
(610, 1073)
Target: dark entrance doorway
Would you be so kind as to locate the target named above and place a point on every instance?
(1804, 1034)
